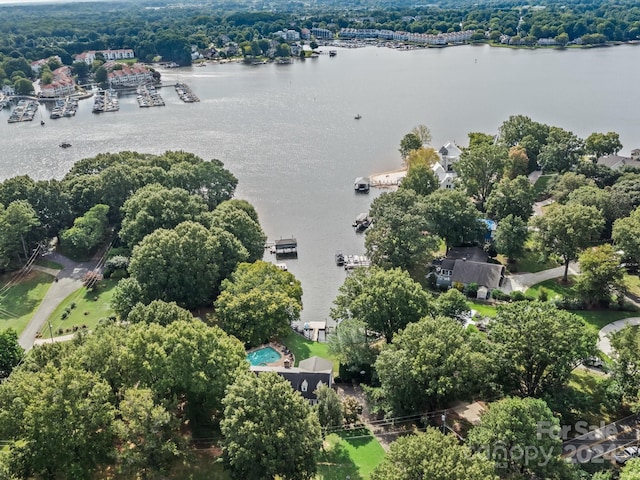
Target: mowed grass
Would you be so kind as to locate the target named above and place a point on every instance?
(202, 465)
(483, 309)
(90, 308)
(22, 300)
(303, 348)
(355, 457)
(553, 287)
(587, 392)
(633, 284)
(542, 183)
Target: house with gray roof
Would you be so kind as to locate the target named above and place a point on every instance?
(306, 378)
(617, 162)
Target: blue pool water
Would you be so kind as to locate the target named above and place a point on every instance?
(263, 356)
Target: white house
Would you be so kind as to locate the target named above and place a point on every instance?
(449, 154)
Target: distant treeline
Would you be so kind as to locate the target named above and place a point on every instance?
(36, 32)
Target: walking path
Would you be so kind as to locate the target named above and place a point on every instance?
(604, 344)
(69, 279)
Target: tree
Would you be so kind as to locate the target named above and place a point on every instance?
(17, 222)
(601, 275)
(11, 353)
(521, 130)
(181, 265)
(477, 139)
(420, 179)
(537, 346)
(423, 133)
(268, 430)
(434, 456)
(631, 470)
(511, 197)
(88, 231)
(397, 237)
(626, 365)
(453, 217)
(429, 363)
(452, 304)
(57, 422)
(567, 183)
(159, 312)
(566, 230)
(628, 185)
(517, 162)
(599, 144)
(480, 168)
(611, 205)
(386, 300)
(561, 152)
(126, 295)
(626, 235)
(233, 218)
(350, 344)
(511, 236)
(409, 142)
(153, 207)
(23, 86)
(101, 75)
(259, 302)
(329, 408)
(187, 361)
(421, 156)
(512, 426)
(149, 433)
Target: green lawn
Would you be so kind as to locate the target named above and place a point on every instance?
(542, 183)
(23, 299)
(531, 262)
(303, 348)
(584, 398)
(553, 287)
(354, 457)
(483, 308)
(599, 318)
(88, 311)
(633, 284)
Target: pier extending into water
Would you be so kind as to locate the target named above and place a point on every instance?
(185, 93)
(149, 97)
(24, 111)
(106, 101)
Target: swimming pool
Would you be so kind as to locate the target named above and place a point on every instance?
(263, 356)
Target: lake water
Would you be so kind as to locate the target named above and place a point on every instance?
(288, 133)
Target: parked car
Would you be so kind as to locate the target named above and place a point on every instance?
(626, 454)
(595, 362)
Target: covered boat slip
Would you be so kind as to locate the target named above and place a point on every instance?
(286, 247)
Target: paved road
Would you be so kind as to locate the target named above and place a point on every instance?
(599, 445)
(69, 280)
(522, 281)
(604, 344)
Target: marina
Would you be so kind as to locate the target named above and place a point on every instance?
(24, 111)
(149, 97)
(185, 93)
(64, 108)
(106, 101)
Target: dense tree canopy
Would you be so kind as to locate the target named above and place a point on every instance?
(512, 425)
(566, 230)
(511, 197)
(537, 346)
(11, 353)
(259, 302)
(429, 363)
(453, 217)
(398, 236)
(159, 312)
(180, 265)
(386, 300)
(269, 430)
(153, 207)
(88, 231)
(601, 276)
(240, 219)
(434, 456)
(480, 168)
(626, 235)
